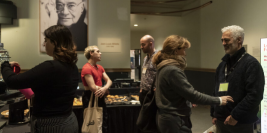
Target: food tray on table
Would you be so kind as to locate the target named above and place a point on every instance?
(135, 97)
(6, 113)
(77, 102)
(117, 99)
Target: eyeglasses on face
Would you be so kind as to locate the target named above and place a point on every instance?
(71, 7)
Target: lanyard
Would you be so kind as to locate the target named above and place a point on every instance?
(233, 67)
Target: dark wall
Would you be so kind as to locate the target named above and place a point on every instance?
(113, 75)
(202, 81)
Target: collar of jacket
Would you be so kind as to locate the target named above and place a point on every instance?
(233, 59)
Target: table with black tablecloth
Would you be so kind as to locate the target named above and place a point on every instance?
(121, 119)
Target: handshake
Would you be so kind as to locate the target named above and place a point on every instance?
(225, 99)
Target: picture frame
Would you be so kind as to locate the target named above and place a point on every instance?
(72, 14)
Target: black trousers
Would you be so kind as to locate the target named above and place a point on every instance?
(168, 123)
(238, 128)
(101, 103)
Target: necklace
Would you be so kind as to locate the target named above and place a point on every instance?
(96, 67)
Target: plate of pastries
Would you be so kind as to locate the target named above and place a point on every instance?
(6, 113)
(117, 99)
(135, 97)
(77, 102)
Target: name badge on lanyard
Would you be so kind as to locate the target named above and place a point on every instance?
(223, 87)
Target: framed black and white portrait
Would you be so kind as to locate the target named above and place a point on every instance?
(70, 13)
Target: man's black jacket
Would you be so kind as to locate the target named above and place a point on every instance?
(246, 86)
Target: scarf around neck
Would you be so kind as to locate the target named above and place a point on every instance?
(180, 62)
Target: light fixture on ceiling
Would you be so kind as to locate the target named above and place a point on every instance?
(135, 25)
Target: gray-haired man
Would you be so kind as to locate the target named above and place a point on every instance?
(241, 76)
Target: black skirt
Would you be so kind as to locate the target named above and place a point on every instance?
(63, 124)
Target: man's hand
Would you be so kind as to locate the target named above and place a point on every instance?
(140, 90)
(230, 121)
(154, 89)
(225, 99)
(194, 105)
(214, 120)
(100, 92)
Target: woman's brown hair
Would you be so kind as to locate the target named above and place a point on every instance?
(65, 48)
(170, 45)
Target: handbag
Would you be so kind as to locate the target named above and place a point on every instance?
(146, 120)
(93, 117)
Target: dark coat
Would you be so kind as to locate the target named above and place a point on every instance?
(174, 91)
(246, 86)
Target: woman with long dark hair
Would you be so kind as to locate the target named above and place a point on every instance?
(54, 83)
(174, 93)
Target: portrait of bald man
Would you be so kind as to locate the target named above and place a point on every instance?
(70, 13)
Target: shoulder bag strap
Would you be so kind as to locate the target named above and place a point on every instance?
(96, 102)
(153, 84)
(91, 100)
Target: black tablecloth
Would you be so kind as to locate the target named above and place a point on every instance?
(121, 119)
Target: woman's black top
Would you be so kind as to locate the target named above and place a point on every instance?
(54, 84)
